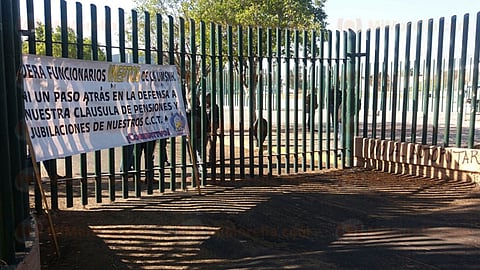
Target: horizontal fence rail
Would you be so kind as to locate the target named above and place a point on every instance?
(289, 101)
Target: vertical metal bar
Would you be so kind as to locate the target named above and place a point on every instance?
(64, 53)
(221, 105)
(241, 122)
(344, 87)
(108, 50)
(212, 137)
(108, 33)
(314, 95)
(68, 160)
(83, 180)
(183, 147)
(376, 68)
(138, 147)
(98, 153)
(396, 67)
(329, 99)
(7, 200)
(163, 142)
(287, 101)
(193, 88)
(260, 94)
(350, 100)
(149, 150)
(416, 83)
(426, 90)
(316, 90)
(20, 153)
(31, 27)
(126, 150)
(32, 50)
(321, 98)
(406, 83)
(474, 100)
(383, 106)
(336, 101)
(461, 82)
(203, 89)
(270, 100)
(94, 31)
(366, 98)
(438, 81)
(358, 86)
(251, 100)
(230, 102)
(64, 29)
(296, 86)
(449, 86)
(193, 96)
(171, 61)
(278, 101)
(48, 27)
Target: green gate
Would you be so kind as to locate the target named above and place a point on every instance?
(245, 71)
(290, 101)
(281, 111)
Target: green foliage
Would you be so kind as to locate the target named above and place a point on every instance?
(303, 15)
(298, 14)
(41, 45)
(164, 7)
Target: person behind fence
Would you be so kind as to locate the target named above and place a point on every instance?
(49, 168)
(194, 115)
(332, 105)
(260, 135)
(213, 118)
(52, 174)
(148, 149)
(308, 101)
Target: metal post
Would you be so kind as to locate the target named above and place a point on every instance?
(350, 99)
(7, 228)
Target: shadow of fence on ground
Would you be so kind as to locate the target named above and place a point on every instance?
(331, 220)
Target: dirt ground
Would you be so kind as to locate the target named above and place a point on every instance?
(351, 219)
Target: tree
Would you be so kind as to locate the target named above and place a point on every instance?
(282, 14)
(274, 14)
(41, 49)
(298, 14)
(165, 7)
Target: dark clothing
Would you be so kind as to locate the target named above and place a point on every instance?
(213, 118)
(51, 170)
(195, 121)
(308, 102)
(335, 104)
(148, 150)
(194, 116)
(263, 132)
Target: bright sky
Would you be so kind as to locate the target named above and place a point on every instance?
(358, 14)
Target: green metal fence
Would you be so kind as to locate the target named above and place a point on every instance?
(248, 74)
(14, 207)
(428, 93)
(315, 90)
(255, 73)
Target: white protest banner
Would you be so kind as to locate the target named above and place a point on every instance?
(75, 106)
